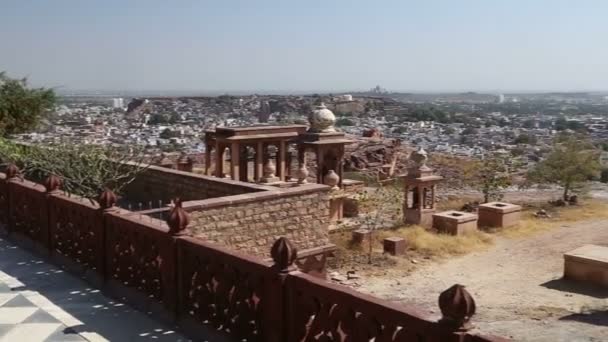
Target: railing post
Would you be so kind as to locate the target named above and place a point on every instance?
(52, 184)
(106, 200)
(457, 308)
(12, 173)
(276, 320)
(177, 221)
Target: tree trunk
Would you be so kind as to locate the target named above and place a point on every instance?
(566, 190)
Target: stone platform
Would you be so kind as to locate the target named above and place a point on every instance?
(499, 214)
(588, 264)
(455, 222)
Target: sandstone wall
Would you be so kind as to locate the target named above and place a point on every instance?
(252, 222)
(158, 183)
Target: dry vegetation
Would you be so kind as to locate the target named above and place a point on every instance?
(589, 210)
(425, 245)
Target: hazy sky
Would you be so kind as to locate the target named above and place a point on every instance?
(286, 45)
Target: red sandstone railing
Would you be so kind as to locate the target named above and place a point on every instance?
(207, 290)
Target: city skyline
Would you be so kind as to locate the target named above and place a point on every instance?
(273, 47)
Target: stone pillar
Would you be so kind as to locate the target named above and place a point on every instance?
(288, 164)
(234, 161)
(219, 160)
(243, 164)
(281, 160)
(207, 159)
(320, 164)
(259, 161)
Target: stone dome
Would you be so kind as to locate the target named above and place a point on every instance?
(322, 120)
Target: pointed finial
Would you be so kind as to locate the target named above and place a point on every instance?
(52, 183)
(12, 171)
(457, 307)
(107, 199)
(284, 254)
(178, 218)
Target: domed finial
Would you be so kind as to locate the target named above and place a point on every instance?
(420, 157)
(322, 120)
(178, 219)
(52, 183)
(107, 199)
(284, 255)
(457, 307)
(12, 171)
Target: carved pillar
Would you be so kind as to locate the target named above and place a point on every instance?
(281, 160)
(207, 159)
(320, 164)
(259, 161)
(244, 164)
(234, 161)
(288, 164)
(420, 197)
(219, 160)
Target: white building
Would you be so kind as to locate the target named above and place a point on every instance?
(118, 102)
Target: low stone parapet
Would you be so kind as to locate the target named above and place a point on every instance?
(499, 214)
(588, 264)
(455, 222)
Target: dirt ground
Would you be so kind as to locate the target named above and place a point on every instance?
(516, 284)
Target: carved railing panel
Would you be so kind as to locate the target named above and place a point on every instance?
(76, 230)
(228, 291)
(320, 311)
(28, 210)
(140, 254)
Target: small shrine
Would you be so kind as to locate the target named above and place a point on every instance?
(419, 191)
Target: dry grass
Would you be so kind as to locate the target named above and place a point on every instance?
(431, 244)
(588, 210)
(422, 244)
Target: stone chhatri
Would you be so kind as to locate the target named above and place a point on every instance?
(457, 307)
(322, 120)
(178, 219)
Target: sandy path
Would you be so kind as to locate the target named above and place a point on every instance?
(516, 286)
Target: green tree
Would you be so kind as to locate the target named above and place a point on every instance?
(22, 107)
(525, 139)
(572, 162)
(490, 176)
(85, 170)
(344, 122)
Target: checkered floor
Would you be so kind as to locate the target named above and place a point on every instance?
(23, 321)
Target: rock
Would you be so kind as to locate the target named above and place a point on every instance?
(352, 275)
(414, 261)
(335, 276)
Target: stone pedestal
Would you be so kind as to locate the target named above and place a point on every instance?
(336, 205)
(455, 222)
(350, 207)
(360, 235)
(498, 214)
(394, 245)
(588, 264)
(422, 217)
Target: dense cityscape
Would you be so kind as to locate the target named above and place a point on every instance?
(521, 126)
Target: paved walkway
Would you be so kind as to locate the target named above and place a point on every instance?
(40, 302)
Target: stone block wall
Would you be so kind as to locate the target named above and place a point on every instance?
(252, 222)
(163, 184)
